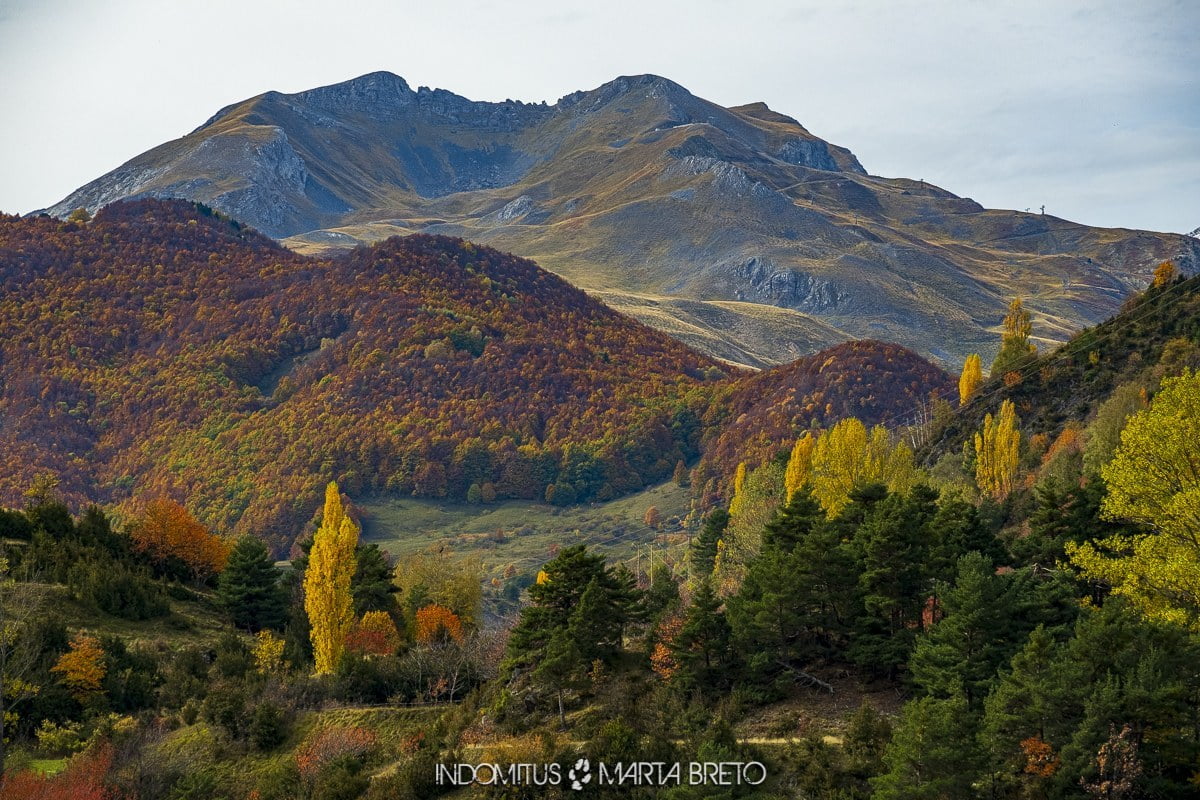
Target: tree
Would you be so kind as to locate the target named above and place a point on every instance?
(596, 623)
(1154, 481)
(1165, 274)
(372, 585)
(443, 579)
(680, 476)
(702, 648)
(166, 531)
(997, 452)
(704, 546)
(960, 653)
(327, 581)
(268, 653)
(894, 543)
(970, 379)
(435, 624)
(848, 456)
(799, 466)
(82, 667)
(794, 522)
(249, 589)
(560, 668)
(1016, 351)
(376, 635)
(738, 500)
(652, 518)
(932, 753)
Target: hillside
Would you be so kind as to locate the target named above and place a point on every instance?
(163, 350)
(676, 209)
(1149, 336)
(877, 382)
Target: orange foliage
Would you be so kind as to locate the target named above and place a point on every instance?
(166, 530)
(83, 779)
(375, 634)
(82, 667)
(329, 744)
(168, 351)
(1040, 758)
(662, 661)
(435, 623)
(874, 381)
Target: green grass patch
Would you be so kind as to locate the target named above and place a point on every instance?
(517, 536)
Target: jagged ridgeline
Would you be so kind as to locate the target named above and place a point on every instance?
(736, 230)
(164, 350)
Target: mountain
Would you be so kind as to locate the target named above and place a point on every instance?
(162, 349)
(734, 229)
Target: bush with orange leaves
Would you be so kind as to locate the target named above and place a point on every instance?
(82, 667)
(374, 635)
(435, 623)
(328, 744)
(1040, 758)
(165, 530)
(83, 779)
(662, 660)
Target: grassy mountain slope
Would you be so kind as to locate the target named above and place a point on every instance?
(640, 188)
(164, 350)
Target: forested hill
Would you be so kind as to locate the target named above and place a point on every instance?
(161, 349)
(164, 350)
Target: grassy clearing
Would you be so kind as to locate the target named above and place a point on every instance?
(521, 534)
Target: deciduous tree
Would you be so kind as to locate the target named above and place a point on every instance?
(327, 582)
(970, 379)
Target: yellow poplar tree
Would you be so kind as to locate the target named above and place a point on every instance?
(848, 456)
(799, 466)
(327, 598)
(970, 379)
(997, 448)
(1015, 347)
(1154, 479)
(739, 490)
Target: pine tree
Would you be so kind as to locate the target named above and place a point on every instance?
(560, 669)
(373, 587)
(793, 522)
(1023, 704)
(702, 647)
(997, 451)
(932, 754)
(327, 582)
(249, 588)
(894, 543)
(704, 546)
(970, 379)
(960, 653)
(595, 625)
(1016, 351)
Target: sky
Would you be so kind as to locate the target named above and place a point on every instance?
(1089, 108)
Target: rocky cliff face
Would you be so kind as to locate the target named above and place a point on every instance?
(643, 191)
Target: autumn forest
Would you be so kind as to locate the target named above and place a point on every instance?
(891, 579)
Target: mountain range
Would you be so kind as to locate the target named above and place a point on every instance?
(735, 230)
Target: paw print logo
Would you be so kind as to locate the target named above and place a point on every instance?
(580, 774)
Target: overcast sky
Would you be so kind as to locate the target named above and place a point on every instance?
(1090, 108)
